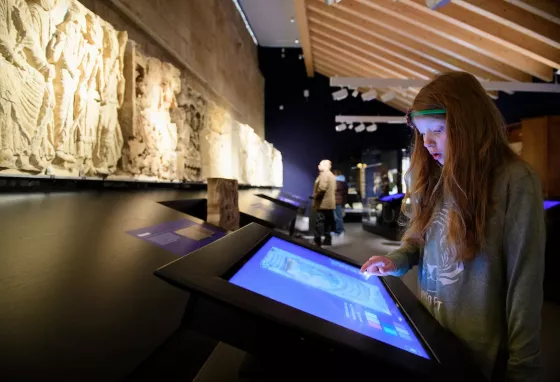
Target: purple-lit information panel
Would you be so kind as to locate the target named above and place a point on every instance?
(548, 204)
(328, 289)
(180, 237)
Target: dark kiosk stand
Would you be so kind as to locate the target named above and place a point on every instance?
(284, 342)
(267, 213)
(290, 202)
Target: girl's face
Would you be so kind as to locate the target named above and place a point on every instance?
(433, 131)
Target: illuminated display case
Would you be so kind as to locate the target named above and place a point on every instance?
(381, 216)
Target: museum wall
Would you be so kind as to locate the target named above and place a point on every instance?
(304, 130)
(523, 105)
(83, 99)
(211, 37)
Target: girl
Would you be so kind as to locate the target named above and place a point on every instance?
(475, 229)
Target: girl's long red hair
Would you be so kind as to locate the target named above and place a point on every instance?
(477, 148)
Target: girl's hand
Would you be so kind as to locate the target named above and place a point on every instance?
(378, 266)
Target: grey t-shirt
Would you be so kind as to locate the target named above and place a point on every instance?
(492, 303)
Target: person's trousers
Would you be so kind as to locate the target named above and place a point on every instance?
(324, 225)
(339, 219)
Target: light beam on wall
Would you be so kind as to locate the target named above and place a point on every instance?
(247, 25)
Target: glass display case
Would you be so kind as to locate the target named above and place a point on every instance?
(381, 216)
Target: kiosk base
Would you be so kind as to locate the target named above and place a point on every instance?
(229, 364)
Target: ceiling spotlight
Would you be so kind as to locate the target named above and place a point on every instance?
(389, 96)
(340, 127)
(341, 94)
(361, 127)
(297, 41)
(369, 95)
(350, 126)
(355, 93)
(292, 20)
(371, 128)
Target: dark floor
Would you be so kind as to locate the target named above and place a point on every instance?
(359, 245)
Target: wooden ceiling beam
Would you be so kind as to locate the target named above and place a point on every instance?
(341, 50)
(443, 62)
(300, 8)
(423, 18)
(547, 9)
(489, 29)
(369, 51)
(420, 37)
(330, 72)
(516, 18)
(365, 36)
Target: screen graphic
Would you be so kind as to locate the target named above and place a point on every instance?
(328, 289)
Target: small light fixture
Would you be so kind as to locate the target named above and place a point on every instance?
(361, 127)
(292, 20)
(281, 107)
(389, 96)
(341, 94)
(369, 95)
(355, 93)
(371, 128)
(297, 41)
(340, 127)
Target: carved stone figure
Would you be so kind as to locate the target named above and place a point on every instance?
(66, 108)
(277, 169)
(190, 118)
(24, 73)
(60, 79)
(223, 203)
(151, 148)
(216, 144)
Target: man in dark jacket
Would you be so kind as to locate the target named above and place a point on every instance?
(341, 196)
(324, 202)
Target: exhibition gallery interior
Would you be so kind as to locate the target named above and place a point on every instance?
(279, 190)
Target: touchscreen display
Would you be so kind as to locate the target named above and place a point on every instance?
(328, 289)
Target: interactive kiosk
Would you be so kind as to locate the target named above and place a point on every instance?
(286, 201)
(268, 213)
(304, 311)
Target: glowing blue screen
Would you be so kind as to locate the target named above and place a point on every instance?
(328, 289)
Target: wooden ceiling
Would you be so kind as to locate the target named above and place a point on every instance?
(495, 40)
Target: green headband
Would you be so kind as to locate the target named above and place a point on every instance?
(428, 112)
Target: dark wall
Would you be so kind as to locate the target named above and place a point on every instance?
(518, 106)
(304, 131)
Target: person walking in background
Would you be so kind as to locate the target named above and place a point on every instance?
(324, 203)
(341, 196)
